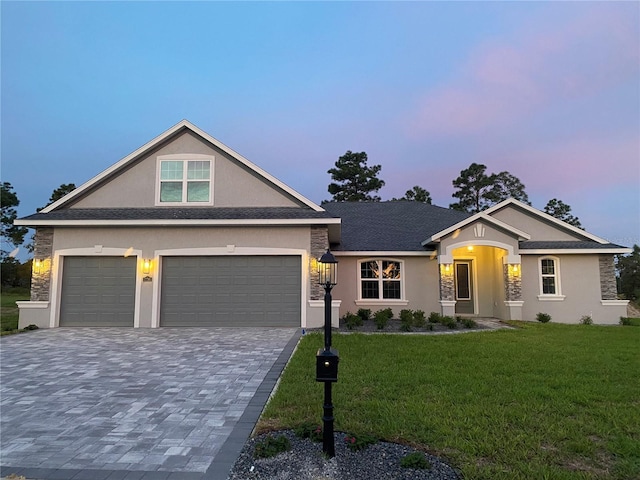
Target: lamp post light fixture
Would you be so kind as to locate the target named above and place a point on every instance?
(327, 358)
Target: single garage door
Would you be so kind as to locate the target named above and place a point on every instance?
(232, 291)
(98, 292)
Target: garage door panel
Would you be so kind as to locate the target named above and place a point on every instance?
(98, 291)
(231, 291)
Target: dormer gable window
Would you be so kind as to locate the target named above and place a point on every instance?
(184, 179)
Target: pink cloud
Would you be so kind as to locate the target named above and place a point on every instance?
(506, 81)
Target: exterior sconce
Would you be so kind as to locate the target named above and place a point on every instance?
(37, 265)
(146, 269)
(514, 269)
(445, 269)
(470, 248)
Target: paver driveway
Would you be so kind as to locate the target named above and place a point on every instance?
(114, 403)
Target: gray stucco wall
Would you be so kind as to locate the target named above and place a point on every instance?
(538, 229)
(234, 184)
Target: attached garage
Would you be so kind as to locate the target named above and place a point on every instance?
(231, 291)
(98, 292)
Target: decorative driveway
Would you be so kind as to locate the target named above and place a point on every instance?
(97, 403)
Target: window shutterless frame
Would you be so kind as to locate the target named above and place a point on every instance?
(380, 279)
(184, 179)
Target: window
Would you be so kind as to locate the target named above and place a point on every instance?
(380, 279)
(184, 179)
(550, 278)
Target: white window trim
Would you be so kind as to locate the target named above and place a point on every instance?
(185, 157)
(550, 297)
(381, 301)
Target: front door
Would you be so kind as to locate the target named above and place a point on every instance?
(464, 286)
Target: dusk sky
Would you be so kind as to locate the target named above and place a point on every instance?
(548, 91)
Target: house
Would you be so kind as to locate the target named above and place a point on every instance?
(187, 232)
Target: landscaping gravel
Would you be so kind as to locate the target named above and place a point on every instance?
(305, 461)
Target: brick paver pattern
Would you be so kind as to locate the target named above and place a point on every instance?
(128, 399)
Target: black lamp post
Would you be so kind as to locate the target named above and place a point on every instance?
(327, 358)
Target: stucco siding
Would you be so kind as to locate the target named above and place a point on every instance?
(420, 286)
(148, 242)
(488, 235)
(579, 284)
(534, 226)
(234, 184)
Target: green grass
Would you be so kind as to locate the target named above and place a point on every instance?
(544, 401)
(9, 310)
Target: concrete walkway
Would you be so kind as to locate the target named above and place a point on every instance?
(98, 403)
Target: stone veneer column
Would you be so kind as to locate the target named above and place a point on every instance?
(512, 284)
(319, 245)
(447, 284)
(41, 282)
(608, 288)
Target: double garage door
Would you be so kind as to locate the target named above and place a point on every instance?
(239, 291)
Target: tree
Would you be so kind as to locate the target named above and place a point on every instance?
(506, 186)
(12, 236)
(416, 194)
(353, 180)
(58, 193)
(629, 274)
(560, 210)
(478, 191)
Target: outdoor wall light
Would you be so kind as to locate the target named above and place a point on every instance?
(470, 248)
(147, 266)
(327, 358)
(37, 265)
(514, 269)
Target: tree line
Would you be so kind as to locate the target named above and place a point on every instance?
(475, 189)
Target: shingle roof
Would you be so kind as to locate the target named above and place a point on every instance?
(399, 226)
(565, 245)
(171, 213)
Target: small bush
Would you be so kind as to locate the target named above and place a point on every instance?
(382, 317)
(309, 430)
(415, 460)
(31, 327)
(543, 317)
(630, 321)
(406, 320)
(364, 314)
(586, 320)
(419, 320)
(469, 323)
(449, 322)
(434, 317)
(459, 319)
(359, 442)
(351, 320)
(271, 446)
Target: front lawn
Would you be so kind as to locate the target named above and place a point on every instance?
(9, 310)
(544, 401)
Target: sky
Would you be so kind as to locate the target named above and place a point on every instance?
(548, 91)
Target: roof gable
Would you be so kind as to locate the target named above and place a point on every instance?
(174, 134)
(478, 217)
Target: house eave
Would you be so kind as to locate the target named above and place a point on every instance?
(383, 253)
(574, 251)
(176, 223)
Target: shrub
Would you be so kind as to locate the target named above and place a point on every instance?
(382, 317)
(359, 442)
(406, 319)
(586, 320)
(459, 319)
(434, 317)
(415, 460)
(630, 321)
(351, 320)
(31, 327)
(364, 314)
(309, 430)
(469, 323)
(419, 320)
(449, 322)
(271, 446)
(543, 317)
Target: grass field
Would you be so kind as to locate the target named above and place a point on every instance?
(543, 401)
(9, 310)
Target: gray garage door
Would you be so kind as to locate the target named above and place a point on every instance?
(98, 292)
(235, 291)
